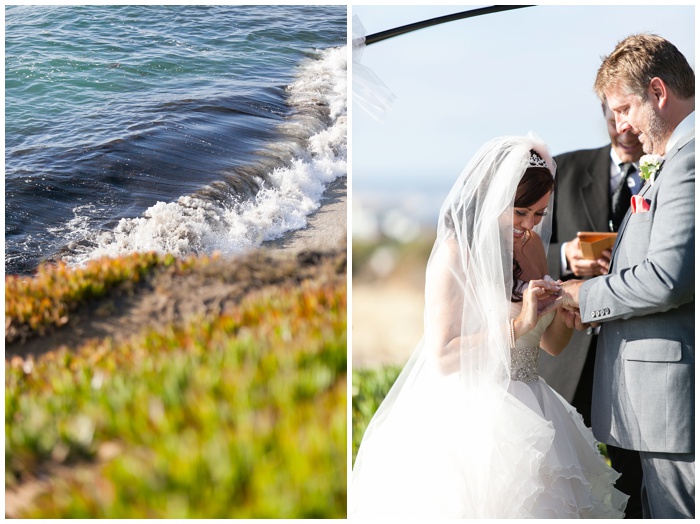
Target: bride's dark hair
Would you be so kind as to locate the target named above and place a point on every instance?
(535, 183)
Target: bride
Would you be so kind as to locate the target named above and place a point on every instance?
(469, 430)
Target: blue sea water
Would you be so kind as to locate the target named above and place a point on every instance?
(178, 129)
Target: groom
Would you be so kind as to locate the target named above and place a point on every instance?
(644, 385)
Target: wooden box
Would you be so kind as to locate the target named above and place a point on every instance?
(593, 243)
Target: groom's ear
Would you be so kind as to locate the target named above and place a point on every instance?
(658, 92)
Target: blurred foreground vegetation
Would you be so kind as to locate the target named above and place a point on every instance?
(35, 305)
(239, 414)
(369, 387)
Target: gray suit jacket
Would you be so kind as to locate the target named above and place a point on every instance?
(581, 203)
(644, 386)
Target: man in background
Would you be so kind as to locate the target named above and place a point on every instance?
(592, 193)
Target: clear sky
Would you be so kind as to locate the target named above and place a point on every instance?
(462, 83)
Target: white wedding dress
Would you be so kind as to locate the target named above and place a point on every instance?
(549, 466)
(572, 480)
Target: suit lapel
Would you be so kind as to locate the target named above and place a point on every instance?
(646, 188)
(647, 185)
(682, 142)
(626, 219)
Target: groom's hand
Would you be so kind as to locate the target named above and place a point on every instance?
(572, 319)
(568, 297)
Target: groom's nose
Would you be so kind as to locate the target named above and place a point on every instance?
(622, 125)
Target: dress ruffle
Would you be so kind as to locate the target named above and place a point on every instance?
(441, 454)
(573, 480)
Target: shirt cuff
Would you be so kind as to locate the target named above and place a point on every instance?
(565, 270)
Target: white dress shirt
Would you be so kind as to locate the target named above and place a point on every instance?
(616, 173)
(686, 126)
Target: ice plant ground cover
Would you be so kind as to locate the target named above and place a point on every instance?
(239, 412)
(34, 304)
(369, 387)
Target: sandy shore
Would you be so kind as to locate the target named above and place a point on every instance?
(327, 227)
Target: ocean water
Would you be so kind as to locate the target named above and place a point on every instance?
(181, 129)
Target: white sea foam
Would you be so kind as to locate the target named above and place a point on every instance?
(290, 193)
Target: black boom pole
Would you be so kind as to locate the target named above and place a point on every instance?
(389, 33)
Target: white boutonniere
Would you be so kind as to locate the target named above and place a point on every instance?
(649, 165)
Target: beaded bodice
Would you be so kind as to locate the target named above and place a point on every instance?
(524, 358)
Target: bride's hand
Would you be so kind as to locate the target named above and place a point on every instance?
(538, 299)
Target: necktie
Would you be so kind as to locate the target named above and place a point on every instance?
(621, 196)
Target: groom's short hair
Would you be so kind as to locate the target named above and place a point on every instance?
(639, 58)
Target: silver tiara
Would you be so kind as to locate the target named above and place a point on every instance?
(537, 161)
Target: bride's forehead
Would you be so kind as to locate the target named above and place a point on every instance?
(540, 204)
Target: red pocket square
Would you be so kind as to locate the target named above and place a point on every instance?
(639, 204)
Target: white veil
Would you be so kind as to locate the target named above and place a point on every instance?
(448, 440)
(368, 90)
